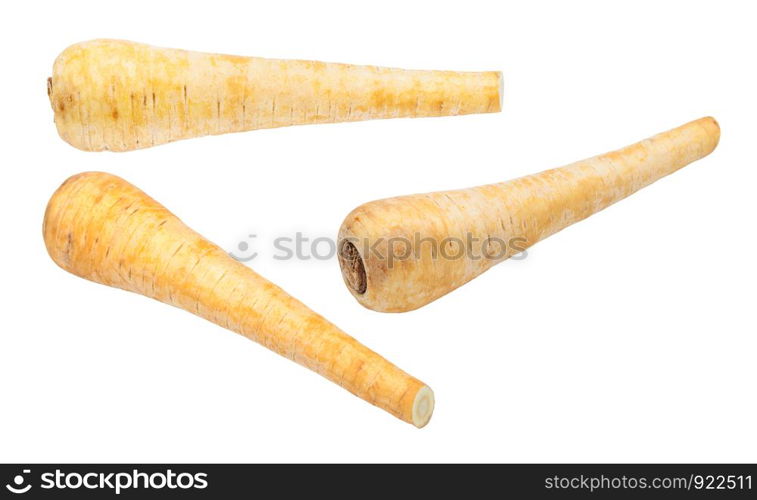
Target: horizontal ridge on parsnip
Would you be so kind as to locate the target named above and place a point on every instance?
(524, 210)
(101, 228)
(118, 95)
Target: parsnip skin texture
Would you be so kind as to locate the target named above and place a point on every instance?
(104, 229)
(522, 211)
(118, 95)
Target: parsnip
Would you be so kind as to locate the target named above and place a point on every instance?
(102, 228)
(118, 95)
(396, 254)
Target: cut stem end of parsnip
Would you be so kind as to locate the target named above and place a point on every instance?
(353, 268)
(423, 406)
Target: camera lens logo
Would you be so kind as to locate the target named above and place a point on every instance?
(18, 481)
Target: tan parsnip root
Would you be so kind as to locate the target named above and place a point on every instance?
(118, 95)
(399, 254)
(102, 228)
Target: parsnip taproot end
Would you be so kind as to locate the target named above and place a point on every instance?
(401, 253)
(101, 228)
(118, 95)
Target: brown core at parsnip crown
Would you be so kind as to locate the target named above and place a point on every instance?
(352, 266)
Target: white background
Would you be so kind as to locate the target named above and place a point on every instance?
(628, 337)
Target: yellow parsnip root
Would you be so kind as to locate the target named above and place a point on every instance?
(102, 228)
(401, 253)
(118, 95)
